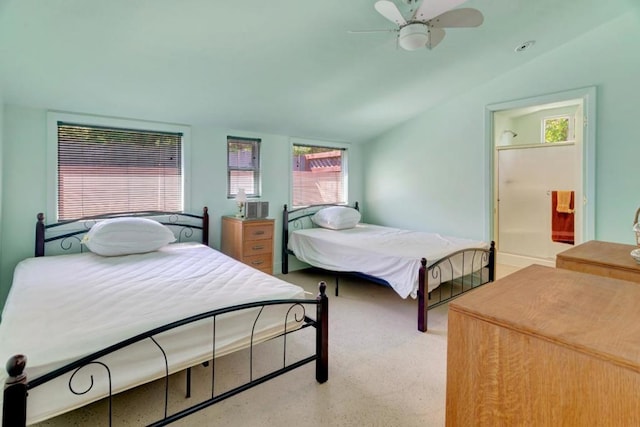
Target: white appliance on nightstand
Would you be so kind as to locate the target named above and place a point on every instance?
(255, 210)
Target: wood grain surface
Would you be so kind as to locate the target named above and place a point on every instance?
(545, 347)
(601, 258)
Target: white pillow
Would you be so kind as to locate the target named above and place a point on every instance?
(336, 217)
(127, 235)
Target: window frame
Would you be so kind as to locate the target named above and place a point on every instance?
(321, 144)
(53, 117)
(570, 130)
(257, 168)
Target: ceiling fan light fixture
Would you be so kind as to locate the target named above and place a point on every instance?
(413, 36)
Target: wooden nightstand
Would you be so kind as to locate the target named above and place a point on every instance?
(249, 241)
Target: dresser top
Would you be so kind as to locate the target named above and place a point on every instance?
(602, 253)
(584, 312)
(243, 219)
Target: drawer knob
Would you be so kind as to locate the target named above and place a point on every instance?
(258, 232)
(257, 248)
(256, 262)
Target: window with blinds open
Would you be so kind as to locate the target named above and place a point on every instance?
(105, 170)
(243, 166)
(318, 175)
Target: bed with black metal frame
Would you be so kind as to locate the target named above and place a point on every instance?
(439, 271)
(302, 313)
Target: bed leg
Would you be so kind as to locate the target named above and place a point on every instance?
(492, 262)
(205, 226)
(188, 394)
(423, 305)
(285, 240)
(337, 284)
(14, 409)
(322, 335)
(39, 249)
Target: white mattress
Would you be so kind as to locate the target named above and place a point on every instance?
(63, 307)
(387, 253)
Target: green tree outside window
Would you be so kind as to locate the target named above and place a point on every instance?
(556, 130)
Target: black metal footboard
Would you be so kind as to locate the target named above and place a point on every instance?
(298, 315)
(476, 267)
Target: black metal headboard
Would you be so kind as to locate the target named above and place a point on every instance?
(69, 233)
(299, 219)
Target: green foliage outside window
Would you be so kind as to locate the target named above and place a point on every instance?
(556, 130)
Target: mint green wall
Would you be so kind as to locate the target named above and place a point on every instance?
(25, 183)
(2, 296)
(432, 172)
(24, 187)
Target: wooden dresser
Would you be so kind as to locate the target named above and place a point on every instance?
(545, 347)
(249, 241)
(602, 258)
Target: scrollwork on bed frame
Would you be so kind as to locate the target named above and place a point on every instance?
(69, 233)
(17, 386)
(478, 268)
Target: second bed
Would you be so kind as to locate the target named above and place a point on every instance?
(428, 266)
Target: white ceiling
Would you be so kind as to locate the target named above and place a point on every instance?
(278, 66)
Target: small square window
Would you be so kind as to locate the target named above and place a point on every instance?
(556, 129)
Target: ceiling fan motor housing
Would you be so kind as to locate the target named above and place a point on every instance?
(413, 36)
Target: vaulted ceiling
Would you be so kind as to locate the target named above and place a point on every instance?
(278, 66)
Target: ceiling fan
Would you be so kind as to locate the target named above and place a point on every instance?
(426, 26)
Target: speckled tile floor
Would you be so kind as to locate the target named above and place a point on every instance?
(382, 372)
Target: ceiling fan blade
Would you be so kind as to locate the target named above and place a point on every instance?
(390, 11)
(458, 18)
(393, 30)
(435, 37)
(431, 8)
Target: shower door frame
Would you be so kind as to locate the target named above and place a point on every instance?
(587, 204)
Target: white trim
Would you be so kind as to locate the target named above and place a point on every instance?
(547, 145)
(522, 261)
(588, 174)
(53, 117)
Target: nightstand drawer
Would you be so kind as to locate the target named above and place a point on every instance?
(258, 231)
(261, 262)
(257, 247)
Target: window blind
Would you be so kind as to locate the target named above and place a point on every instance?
(243, 166)
(318, 175)
(105, 170)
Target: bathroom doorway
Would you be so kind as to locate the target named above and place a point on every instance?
(542, 176)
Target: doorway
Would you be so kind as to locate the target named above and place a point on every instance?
(532, 167)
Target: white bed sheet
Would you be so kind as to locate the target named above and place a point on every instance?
(388, 253)
(61, 308)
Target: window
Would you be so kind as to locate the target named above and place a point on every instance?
(243, 166)
(557, 129)
(106, 169)
(318, 175)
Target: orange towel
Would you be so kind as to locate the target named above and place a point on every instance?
(564, 201)
(562, 223)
